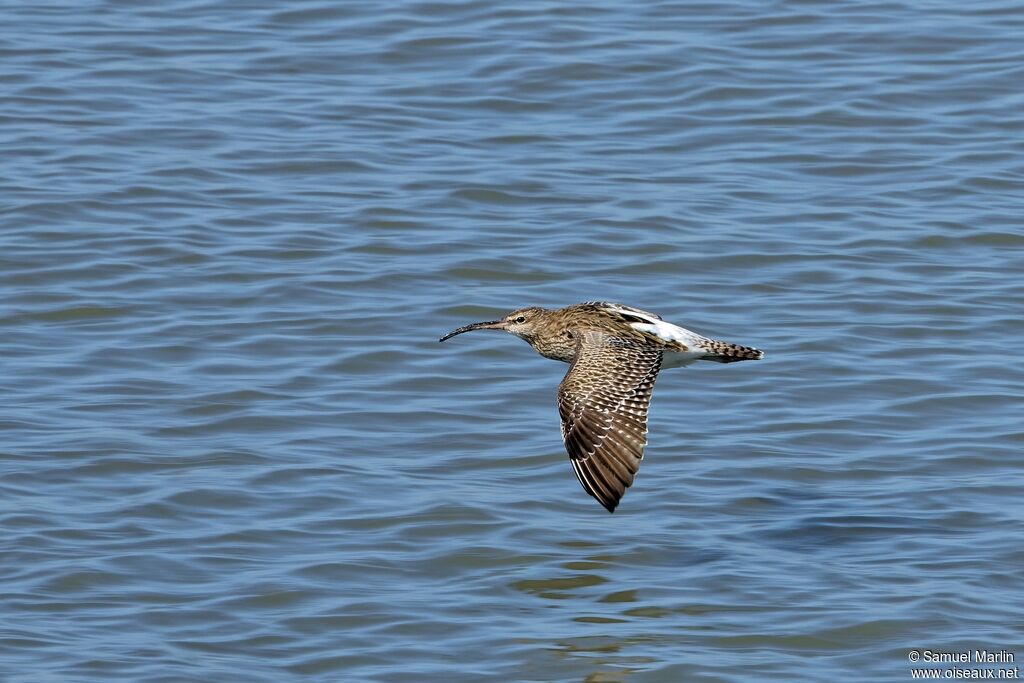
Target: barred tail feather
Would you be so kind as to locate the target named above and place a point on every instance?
(726, 352)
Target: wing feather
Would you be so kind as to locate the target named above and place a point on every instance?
(603, 403)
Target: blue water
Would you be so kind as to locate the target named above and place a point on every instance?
(231, 234)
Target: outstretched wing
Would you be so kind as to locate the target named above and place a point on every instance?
(603, 403)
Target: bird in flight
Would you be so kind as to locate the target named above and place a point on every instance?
(614, 354)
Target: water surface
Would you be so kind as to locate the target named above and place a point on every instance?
(232, 233)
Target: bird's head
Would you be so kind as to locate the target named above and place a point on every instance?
(520, 323)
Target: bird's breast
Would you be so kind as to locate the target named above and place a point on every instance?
(556, 348)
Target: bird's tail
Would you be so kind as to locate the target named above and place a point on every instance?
(726, 352)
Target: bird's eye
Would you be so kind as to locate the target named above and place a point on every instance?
(520, 319)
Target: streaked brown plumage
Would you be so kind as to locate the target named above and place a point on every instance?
(615, 353)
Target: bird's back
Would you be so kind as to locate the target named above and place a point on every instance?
(556, 333)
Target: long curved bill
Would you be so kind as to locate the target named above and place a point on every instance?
(489, 325)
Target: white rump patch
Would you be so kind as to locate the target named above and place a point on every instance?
(673, 333)
(670, 333)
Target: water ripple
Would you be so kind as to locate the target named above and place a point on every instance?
(233, 234)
